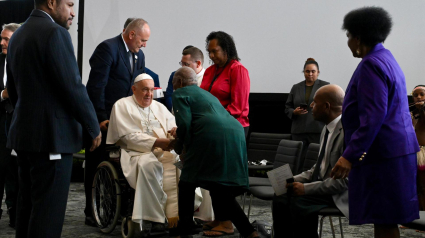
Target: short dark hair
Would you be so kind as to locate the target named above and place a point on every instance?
(38, 3)
(225, 41)
(195, 54)
(187, 47)
(130, 19)
(310, 61)
(371, 24)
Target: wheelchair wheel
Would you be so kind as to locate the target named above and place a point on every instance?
(106, 197)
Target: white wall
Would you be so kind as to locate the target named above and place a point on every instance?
(273, 38)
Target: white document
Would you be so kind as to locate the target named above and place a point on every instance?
(55, 156)
(278, 178)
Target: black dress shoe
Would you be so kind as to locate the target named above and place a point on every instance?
(90, 221)
(11, 211)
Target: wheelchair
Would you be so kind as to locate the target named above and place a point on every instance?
(113, 198)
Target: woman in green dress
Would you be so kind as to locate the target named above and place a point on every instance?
(215, 156)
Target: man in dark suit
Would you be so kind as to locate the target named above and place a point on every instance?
(114, 65)
(147, 70)
(51, 108)
(296, 215)
(8, 165)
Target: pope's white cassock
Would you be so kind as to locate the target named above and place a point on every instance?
(150, 171)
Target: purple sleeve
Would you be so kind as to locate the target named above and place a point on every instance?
(372, 98)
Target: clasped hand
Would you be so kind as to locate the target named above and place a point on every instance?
(299, 111)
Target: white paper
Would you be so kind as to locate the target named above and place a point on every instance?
(14, 153)
(278, 178)
(55, 156)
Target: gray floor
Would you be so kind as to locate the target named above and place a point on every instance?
(74, 220)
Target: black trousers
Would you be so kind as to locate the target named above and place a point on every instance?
(43, 194)
(296, 216)
(8, 164)
(224, 205)
(93, 159)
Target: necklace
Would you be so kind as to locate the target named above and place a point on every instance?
(146, 121)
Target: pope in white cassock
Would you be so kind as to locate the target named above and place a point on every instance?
(140, 126)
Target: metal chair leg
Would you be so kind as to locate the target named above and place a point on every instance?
(332, 227)
(249, 208)
(243, 202)
(340, 226)
(321, 226)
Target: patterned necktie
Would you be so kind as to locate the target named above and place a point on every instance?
(316, 171)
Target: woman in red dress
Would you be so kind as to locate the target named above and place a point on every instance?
(227, 79)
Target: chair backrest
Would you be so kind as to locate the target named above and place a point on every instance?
(264, 145)
(288, 152)
(310, 157)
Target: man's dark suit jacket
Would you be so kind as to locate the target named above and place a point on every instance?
(110, 76)
(45, 86)
(154, 76)
(5, 105)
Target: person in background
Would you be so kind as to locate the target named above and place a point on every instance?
(379, 158)
(227, 79)
(304, 128)
(215, 157)
(418, 121)
(147, 70)
(115, 64)
(195, 60)
(296, 215)
(8, 164)
(51, 110)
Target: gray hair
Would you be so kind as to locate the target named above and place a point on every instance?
(136, 25)
(187, 75)
(11, 26)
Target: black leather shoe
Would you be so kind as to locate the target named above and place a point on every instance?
(11, 211)
(90, 221)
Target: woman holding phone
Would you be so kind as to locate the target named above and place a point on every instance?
(304, 128)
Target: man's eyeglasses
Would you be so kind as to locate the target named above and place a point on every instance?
(184, 64)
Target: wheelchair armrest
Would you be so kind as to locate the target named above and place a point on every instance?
(110, 148)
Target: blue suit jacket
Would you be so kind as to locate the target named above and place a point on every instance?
(154, 76)
(169, 92)
(375, 114)
(45, 86)
(110, 76)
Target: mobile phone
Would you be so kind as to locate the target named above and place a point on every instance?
(304, 106)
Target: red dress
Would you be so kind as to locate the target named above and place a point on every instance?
(231, 87)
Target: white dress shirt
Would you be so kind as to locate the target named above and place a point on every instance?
(331, 128)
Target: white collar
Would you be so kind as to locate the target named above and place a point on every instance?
(331, 126)
(125, 44)
(46, 14)
(201, 72)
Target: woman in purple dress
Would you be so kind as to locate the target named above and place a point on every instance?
(380, 143)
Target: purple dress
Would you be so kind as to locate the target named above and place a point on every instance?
(380, 143)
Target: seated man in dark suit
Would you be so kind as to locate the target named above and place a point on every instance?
(295, 215)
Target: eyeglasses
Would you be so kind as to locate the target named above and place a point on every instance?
(184, 64)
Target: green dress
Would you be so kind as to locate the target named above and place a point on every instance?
(214, 140)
